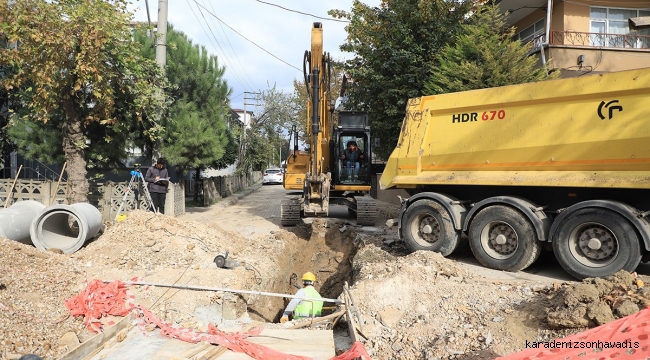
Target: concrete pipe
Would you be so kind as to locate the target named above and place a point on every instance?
(66, 227)
(15, 220)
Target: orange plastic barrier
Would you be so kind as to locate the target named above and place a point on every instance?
(625, 338)
(236, 342)
(98, 299)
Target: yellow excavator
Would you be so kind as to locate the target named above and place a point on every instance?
(320, 176)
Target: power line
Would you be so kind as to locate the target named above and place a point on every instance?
(233, 49)
(226, 57)
(247, 39)
(234, 72)
(302, 13)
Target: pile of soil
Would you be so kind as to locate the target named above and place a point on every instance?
(158, 249)
(597, 301)
(411, 306)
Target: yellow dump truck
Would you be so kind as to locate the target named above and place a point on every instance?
(563, 161)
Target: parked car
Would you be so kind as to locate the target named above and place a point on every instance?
(272, 176)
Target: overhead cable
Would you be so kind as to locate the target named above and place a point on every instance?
(235, 74)
(247, 39)
(302, 13)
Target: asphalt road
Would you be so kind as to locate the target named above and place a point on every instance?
(265, 202)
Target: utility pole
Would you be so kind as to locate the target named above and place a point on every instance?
(161, 39)
(161, 59)
(242, 137)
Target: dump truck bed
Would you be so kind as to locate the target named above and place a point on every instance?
(591, 131)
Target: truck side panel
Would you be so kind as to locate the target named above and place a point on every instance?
(580, 132)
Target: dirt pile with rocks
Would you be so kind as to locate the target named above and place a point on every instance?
(424, 306)
(412, 306)
(35, 284)
(597, 301)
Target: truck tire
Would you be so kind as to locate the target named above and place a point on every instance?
(503, 238)
(595, 242)
(428, 226)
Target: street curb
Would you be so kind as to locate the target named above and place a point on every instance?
(234, 198)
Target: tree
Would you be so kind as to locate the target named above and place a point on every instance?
(484, 56)
(6, 145)
(393, 46)
(196, 135)
(74, 60)
(268, 128)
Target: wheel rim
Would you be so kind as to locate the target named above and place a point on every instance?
(426, 230)
(593, 244)
(499, 240)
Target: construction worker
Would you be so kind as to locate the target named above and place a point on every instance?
(304, 308)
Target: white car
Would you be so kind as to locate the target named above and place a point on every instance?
(272, 176)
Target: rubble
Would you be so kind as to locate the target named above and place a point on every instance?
(597, 301)
(411, 306)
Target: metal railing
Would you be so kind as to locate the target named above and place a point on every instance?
(620, 41)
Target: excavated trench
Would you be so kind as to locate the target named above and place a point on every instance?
(326, 248)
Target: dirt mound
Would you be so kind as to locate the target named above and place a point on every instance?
(34, 285)
(597, 301)
(156, 249)
(424, 306)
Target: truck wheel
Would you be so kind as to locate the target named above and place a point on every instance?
(428, 226)
(503, 238)
(596, 242)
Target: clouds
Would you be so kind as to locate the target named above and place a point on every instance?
(283, 33)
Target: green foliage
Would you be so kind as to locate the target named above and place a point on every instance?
(193, 139)
(268, 129)
(75, 66)
(195, 135)
(484, 56)
(39, 141)
(230, 153)
(393, 46)
(258, 150)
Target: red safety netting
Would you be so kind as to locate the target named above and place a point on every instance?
(625, 338)
(98, 299)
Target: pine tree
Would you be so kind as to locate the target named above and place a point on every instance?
(195, 135)
(484, 56)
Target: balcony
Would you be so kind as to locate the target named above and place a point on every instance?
(600, 40)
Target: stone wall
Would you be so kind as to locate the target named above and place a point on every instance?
(218, 187)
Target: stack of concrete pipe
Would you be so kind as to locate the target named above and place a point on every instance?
(64, 227)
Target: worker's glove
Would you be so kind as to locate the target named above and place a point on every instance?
(284, 319)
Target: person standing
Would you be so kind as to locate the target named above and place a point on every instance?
(158, 179)
(304, 308)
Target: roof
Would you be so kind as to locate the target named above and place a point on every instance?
(519, 9)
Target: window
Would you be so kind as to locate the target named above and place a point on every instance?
(531, 32)
(609, 27)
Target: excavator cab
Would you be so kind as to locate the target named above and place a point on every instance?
(352, 128)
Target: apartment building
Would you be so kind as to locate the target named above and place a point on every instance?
(582, 36)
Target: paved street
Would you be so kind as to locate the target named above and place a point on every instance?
(258, 213)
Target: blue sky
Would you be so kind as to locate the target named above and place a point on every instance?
(283, 33)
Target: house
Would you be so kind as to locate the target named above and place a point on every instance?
(581, 37)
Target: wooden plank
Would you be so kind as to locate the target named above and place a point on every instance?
(96, 342)
(317, 344)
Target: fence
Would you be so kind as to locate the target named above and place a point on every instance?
(107, 196)
(218, 187)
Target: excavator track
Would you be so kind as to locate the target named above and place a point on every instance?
(366, 210)
(290, 212)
